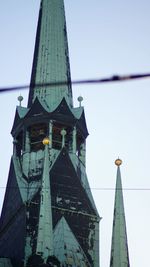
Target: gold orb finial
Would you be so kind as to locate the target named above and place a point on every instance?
(46, 141)
(118, 162)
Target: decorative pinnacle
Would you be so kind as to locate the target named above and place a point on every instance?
(20, 98)
(46, 141)
(63, 132)
(118, 162)
(80, 99)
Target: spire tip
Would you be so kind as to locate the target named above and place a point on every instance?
(118, 162)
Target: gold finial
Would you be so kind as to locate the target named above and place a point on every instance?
(118, 162)
(46, 141)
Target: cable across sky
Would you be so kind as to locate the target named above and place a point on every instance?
(114, 78)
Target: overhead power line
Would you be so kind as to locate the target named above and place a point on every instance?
(91, 188)
(115, 78)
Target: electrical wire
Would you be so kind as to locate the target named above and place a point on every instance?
(115, 78)
(92, 188)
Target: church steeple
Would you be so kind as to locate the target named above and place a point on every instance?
(119, 247)
(51, 58)
(48, 202)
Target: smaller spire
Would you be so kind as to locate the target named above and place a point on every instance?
(45, 229)
(119, 246)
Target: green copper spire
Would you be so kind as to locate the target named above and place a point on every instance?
(119, 247)
(51, 59)
(48, 202)
(45, 232)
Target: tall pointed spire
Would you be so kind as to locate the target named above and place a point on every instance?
(119, 247)
(51, 59)
(51, 208)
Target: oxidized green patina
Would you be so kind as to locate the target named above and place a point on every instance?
(48, 202)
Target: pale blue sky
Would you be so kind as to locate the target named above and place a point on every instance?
(105, 38)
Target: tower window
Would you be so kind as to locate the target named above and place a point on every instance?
(37, 133)
(57, 139)
(19, 144)
(57, 136)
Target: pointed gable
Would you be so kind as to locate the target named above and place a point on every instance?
(66, 247)
(16, 122)
(64, 177)
(63, 109)
(13, 200)
(63, 113)
(70, 198)
(81, 123)
(36, 109)
(19, 115)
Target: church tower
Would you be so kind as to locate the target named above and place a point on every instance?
(119, 247)
(49, 217)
